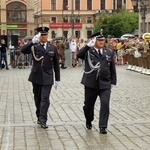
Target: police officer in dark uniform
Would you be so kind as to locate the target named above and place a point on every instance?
(45, 61)
(98, 78)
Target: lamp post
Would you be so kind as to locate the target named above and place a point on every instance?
(78, 22)
(141, 6)
(72, 20)
(62, 19)
(66, 8)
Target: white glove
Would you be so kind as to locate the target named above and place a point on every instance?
(56, 84)
(36, 38)
(92, 42)
(112, 85)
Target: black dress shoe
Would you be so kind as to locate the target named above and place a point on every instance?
(63, 67)
(88, 125)
(38, 122)
(103, 131)
(44, 125)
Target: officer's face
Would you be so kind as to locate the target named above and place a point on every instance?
(43, 38)
(99, 43)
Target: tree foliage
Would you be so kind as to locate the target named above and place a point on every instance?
(117, 24)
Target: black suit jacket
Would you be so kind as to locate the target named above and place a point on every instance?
(107, 74)
(42, 71)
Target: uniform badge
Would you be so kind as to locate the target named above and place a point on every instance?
(51, 52)
(43, 28)
(108, 58)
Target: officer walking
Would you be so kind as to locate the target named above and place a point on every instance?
(45, 60)
(98, 78)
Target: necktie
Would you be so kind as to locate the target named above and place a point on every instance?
(99, 52)
(43, 46)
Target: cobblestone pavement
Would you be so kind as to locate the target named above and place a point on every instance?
(129, 122)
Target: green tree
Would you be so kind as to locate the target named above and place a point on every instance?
(117, 24)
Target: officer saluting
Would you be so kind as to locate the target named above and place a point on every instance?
(98, 78)
(45, 60)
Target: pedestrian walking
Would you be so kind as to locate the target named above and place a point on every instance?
(45, 61)
(98, 79)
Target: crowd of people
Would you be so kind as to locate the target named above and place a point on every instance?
(124, 51)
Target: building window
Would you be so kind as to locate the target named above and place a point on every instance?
(89, 19)
(89, 34)
(102, 5)
(53, 4)
(53, 34)
(89, 5)
(77, 4)
(114, 2)
(53, 19)
(16, 12)
(65, 18)
(148, 26)
(119, 4)
(65, 33)
(20, 32)
(65, 4)
(77, 33)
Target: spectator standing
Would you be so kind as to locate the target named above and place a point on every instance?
(4, 53)
(12, 55)
(81, 44)
(68, 55)
(73, 48)
(119, 52)
(62, 47)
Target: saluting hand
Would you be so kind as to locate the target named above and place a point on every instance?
(92, 42)
(36, 38)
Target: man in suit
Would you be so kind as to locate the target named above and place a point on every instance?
(98, 78)
(45, 61)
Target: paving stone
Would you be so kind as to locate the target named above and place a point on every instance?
(129, 121)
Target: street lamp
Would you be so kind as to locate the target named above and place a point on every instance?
(63, 17)
(72, 20)
(78, 20)
(141, 6)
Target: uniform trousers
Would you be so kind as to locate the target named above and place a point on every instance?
(41, 99)
(89, 103)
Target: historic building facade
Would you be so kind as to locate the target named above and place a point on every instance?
(16, 18)
(64, 17)
(74, 17)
